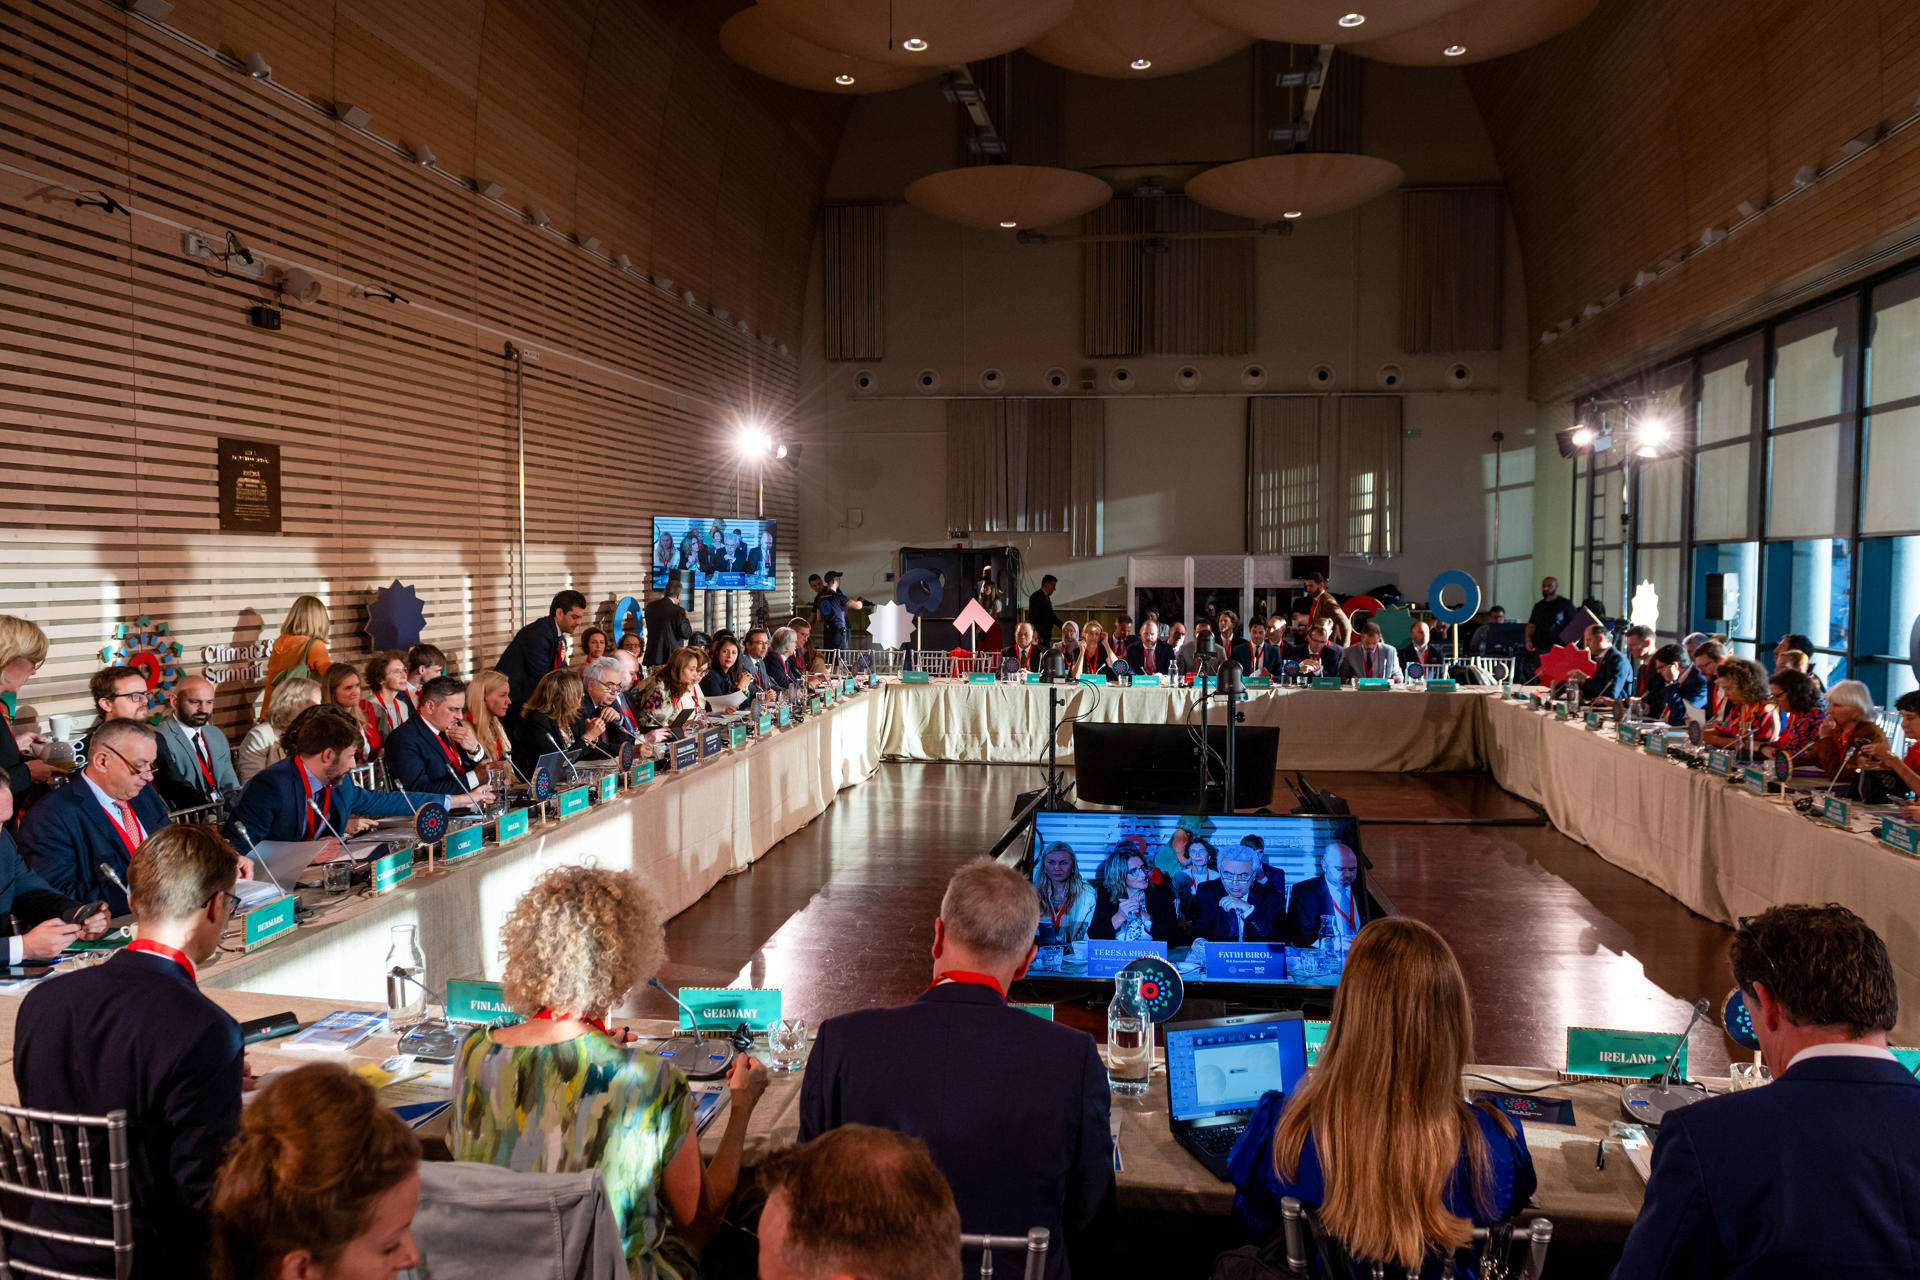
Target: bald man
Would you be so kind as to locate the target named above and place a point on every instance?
(195, 764)
(1328, 896)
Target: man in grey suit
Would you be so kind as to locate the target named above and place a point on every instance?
(1369, 657)
(196, 764)
(753, 658)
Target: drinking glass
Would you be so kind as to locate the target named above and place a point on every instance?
(787, 1044)
(1748, 1075)
(338, 876)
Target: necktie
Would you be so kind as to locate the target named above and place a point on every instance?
(129, 825)
(1149, 661)
(206, 759)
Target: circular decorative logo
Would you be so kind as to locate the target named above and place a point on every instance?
(1160, 987)
(430, 823)
(626, 757)
(542, 783)
(1454, 615)
(149, 648)
(1738, 1020)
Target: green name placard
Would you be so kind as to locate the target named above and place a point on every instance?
(1908, 1058)
(1316, 1036)
(786, 715)
(1720, 762)
(832, 694)
(464, 843)
(1900, 835)
(642, 774)
(736, 735)
(514, 825)
(763, 725)
(1655, 742)
(607, 788)
(1326, 682)
(1628, 734)
(1836, 810)
(1592, 718)
(1561, 711)
(1257, 682)
(1442, 686)
(982, 677)
(1635, 1055)
(392, 870)
(266, 922)
(1372, 682)
(574, 801)
(1754, 779)
(1206, 682)
(1031, 677)
(1037, 1010)
(914, 677)
(816, 705)
(730, 1006)
(1140, 682)
(478, 1003)
(1093, 679)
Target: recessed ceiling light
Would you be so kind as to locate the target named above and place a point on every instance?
(914, 44)
(1353, 19)
(1140, 64)
(1293, 213)
(1009, 225)
(843, 78)
(1454, 50)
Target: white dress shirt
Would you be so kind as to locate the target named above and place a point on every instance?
(1843, 1050)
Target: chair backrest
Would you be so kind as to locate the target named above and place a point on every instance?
(1510, 1250)
(50, 1158)
(1035, 1243)
(214, 811)
(481, 1222)
(1501, 669)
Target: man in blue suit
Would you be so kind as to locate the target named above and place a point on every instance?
(603, 679)
(1327, 896)
(1236, 908)
(1148, 654)
(1021, 1135)
(541, 646)
(1612, 678)
(135, 1034)
(309, 795)
(1814, 1174)
(436, 750)
(31, 912)
(99, 818)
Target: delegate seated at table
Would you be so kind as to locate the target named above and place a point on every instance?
(1066, 900)
(1328, 897)
(1235, 908)
(1132, 906)
(1369, 657)
(1613, 674)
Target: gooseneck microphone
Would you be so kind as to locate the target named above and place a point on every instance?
(1701, 1008)
(262, 863)
(563, 755)
(1653, 1101)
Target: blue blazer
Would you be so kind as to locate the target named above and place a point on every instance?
(1814, 1175)
(1266, 923)
(1675, 699)
(717, 683)
(608, 743)
(416, 762)
(1024, 1143)
(274, 807)
(26, 899)
(66, 835)
(1614, 679)
(528, 657)
(134, 1033)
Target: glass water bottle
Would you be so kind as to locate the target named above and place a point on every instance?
(1129, 1037)
(406, 979)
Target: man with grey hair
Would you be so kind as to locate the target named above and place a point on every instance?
(604, 679)
(779, 672)
(1014, 1108)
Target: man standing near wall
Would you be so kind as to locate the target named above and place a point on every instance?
(1040, 611)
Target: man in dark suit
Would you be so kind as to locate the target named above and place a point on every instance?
(1263, 654)
(1148, 654)
(309, 795)
(1040, 611)
(1025, 1144)
(100, 817)
(1422, 651)
(195, 760)
(603, 679)
(436, 750)
(1236, 907)
(135, 1034)
(753, 659)
(30, 910)
(667, 625)
(1814, 1174)
(541, 646)
(1328, 895)
(1613, 674)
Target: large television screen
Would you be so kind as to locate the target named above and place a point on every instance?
(714, 553)
(1226, 898)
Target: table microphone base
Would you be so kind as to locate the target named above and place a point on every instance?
(1650, 1104)
(698, 1057)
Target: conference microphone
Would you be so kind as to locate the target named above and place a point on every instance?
(326, 823)
(114, 879)
(262, 863)
(1651, 1102)
(1230, 674)
(700, 1057)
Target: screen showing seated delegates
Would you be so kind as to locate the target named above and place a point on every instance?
(1240, 898)
(714, 553)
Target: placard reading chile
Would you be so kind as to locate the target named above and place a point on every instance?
(714, 552)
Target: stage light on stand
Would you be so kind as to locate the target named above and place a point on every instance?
(1583, 436)
(753, 442)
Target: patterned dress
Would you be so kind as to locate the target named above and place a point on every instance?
(584, 1104)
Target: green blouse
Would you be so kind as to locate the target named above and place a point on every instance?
(584, 1104)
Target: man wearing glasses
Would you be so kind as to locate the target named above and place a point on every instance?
(437, 750)
(135, 1034)
(1236, 908)
(604, 678)
(120, 693)
(99, 818)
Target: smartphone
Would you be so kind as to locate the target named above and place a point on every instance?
(82, 913)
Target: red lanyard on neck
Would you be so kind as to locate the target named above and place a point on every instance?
(977, 979)
(174, 954)
(1347, 912)
(129, 838)
(560, 1015)
(200, 756)
(311, 822)
(452, 758)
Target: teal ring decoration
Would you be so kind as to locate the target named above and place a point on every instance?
(1454, 616)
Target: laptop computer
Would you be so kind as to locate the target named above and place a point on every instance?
(1217, 1070)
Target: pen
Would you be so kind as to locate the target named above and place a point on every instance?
(1600, 1156)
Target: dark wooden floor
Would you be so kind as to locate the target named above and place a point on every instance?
(840, 915)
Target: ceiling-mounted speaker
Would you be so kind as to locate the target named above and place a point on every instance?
(1389, 377)
(992, 380)
(1120, 378)
(1056, 380)
(1253, 377)
(1460, 375)
(866, 382)
(351, 116)
(928, 380)
(1321, 375)
(1187, 379)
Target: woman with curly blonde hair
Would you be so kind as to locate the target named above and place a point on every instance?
(561, 1093)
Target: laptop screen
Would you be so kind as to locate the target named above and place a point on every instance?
(1220, 1068)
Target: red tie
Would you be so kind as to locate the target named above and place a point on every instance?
(1149, 662)
(128, 827)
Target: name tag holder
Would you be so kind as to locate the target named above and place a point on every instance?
(266, 922)
(724, 1008)
(1903, 836)
(914, 677)
(392, 871)
(513, 825)
(574, 800)
(1628, 1057)
(464, 842)
(683, 753)
(1141, 681)
(641, 774)
(1326, 682)
(476, 1003)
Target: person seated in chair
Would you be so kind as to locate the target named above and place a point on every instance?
(1421, 650)
(1612, 679)
(1265, 654)
(1132, 904)
(196, 760)
(33, 916)
(1322, 656)
(602, 679)
(1328, 900)
(858, 1201)
(1235, 908)
(437, 750)
(1147, 653)
(1369, 657)
(99, 818)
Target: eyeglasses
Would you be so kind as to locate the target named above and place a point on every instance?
(233, 902)
(140, 694)
(608, 684)
(1236, 877)
(139, 771)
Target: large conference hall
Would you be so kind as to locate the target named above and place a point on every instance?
(906, 639)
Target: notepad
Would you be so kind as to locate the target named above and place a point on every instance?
(341, 1029)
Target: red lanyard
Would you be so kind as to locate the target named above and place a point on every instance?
(392, 703)
(174, 954)
(201, 758)
(552, 1015)
(1347, 913)
(627, 715)
(978, 979)
(447, 747)
(1058, 913)
(129, 838)
(311, 822)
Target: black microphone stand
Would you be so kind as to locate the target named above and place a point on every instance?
(1230, 676)
(1203, 643)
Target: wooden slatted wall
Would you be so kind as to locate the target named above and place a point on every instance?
(122, 361)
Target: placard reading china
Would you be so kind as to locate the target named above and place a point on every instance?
(249, 486)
